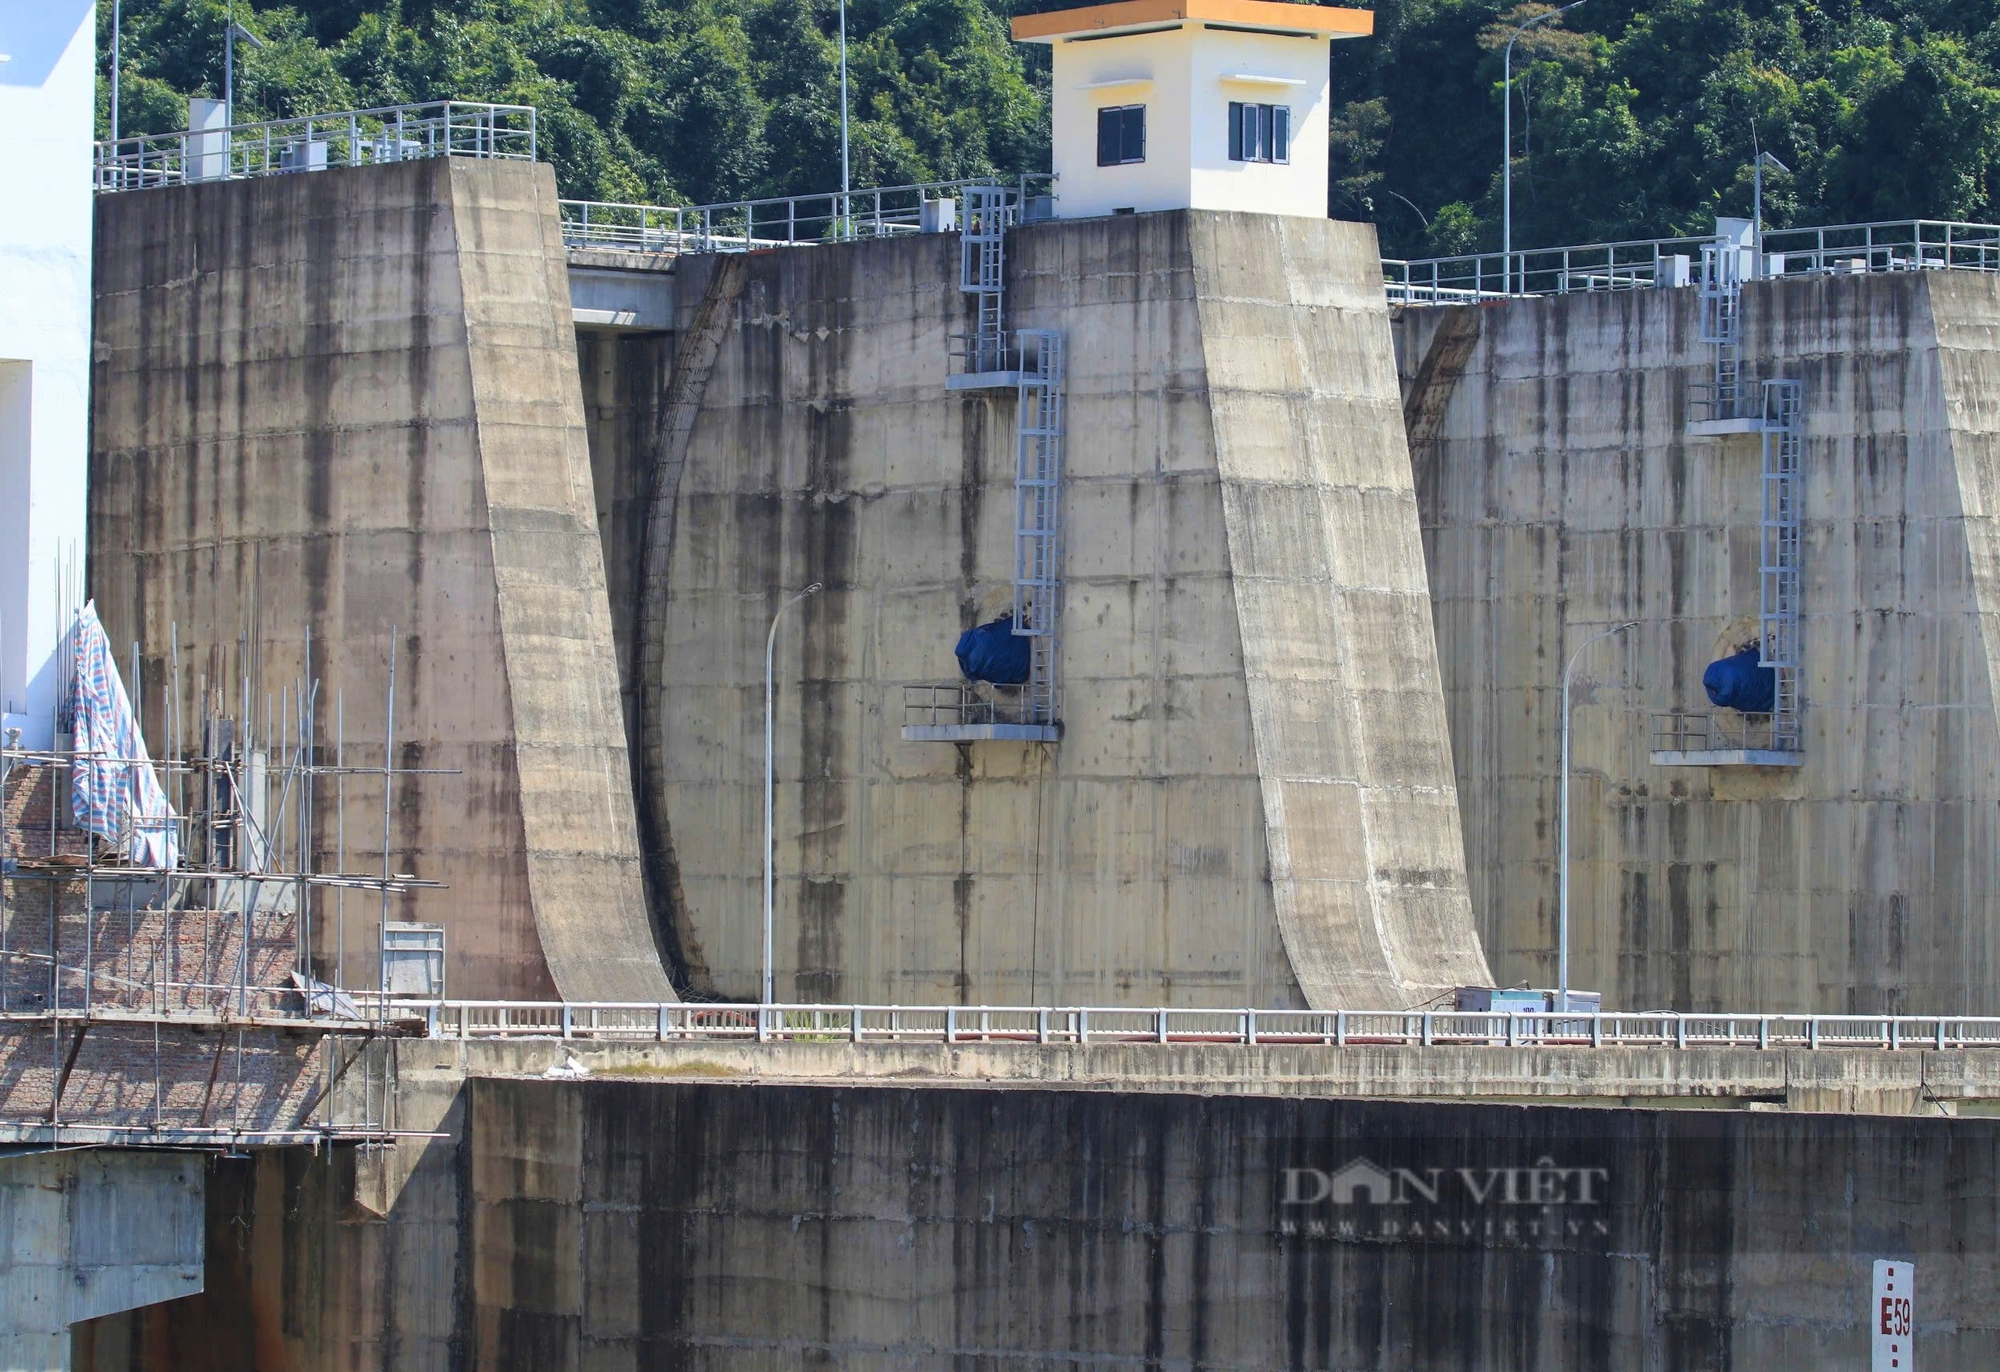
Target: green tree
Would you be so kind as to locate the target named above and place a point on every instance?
(1631, 120)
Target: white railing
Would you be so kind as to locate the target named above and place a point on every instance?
(652, 1023)
(738, 225)
(350, 138)
(1898, 245)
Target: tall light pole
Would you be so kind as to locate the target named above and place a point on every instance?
(236, 31)
(117, 32)
(1507, 139)
(845, 184)
(1764, 159)
(1562, 868)
(771, 780)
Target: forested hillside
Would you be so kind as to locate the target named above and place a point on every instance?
(1630, 119)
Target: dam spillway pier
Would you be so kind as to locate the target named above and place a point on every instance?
(1120, 1001)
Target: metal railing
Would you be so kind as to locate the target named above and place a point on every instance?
(781, 221)
(672, 1023)
(1630, 265)
(1698, 731)
(964, 702)
(1897, 245)
(350, 138)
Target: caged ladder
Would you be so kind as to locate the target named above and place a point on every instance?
(1778, 559)
(1038, 467)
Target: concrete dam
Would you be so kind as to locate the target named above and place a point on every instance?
(1263, 796)
(1563, 493)
(1254, 804)
(1149, 1009)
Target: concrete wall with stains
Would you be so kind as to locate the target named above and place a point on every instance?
(347, 404)
(649, 1224)
(1560, 497)
(624, 375)
(1253, 801)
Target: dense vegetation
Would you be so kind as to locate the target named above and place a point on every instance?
(1630, 120)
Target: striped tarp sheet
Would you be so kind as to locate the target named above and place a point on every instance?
(114, 792)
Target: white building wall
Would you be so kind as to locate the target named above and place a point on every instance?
(1180, 75)
(46, 104)
(1298, 187)
(1162, 64)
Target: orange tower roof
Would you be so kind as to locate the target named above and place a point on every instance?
(1263, 16)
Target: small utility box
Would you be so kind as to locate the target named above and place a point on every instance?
(937, 216)
(304, 154)
(1487, 1000)
(1190, 104)
(207, 157)
(413, 961)
(1490, 1000)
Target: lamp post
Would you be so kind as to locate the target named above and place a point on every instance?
(1764, 159)
(1507, 151)
(117, 32)
(234, 32)
(771, 780)
(845, 184)
(1562, 869)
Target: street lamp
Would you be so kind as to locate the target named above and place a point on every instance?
(1764, 159)
(845, 184)
(1507, 138)
(117, 32)
(1562, 870)
(771, 780)
(236, 31)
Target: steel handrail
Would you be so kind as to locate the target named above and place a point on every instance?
(770, 221)
(1077, 1025)
(1629, 264)
(388, 133)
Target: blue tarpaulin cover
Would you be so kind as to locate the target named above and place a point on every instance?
(994, 652)
(1738, 683)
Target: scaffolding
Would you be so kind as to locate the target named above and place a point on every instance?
(245, 933)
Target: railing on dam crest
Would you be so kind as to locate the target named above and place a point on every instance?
(958, 1024)
(788, 220)
(1638, 264)
(348, 138)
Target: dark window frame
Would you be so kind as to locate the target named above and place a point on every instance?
(1260, 133)
(1121, 135)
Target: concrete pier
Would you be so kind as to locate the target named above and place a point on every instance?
(86, 1233)
(1562, 494)
(1252, 802)
(346, 405)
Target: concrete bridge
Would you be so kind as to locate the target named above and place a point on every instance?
(489, 1215)
(551, 1203)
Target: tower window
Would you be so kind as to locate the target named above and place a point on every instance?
(1259, 133)
(1121, 135)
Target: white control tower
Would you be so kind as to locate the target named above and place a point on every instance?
(1190, 104)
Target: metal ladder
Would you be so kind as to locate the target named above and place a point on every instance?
(982, 273)
(1779, 423)
(1038, 468)
(1778, 554)
(1722, 324)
